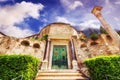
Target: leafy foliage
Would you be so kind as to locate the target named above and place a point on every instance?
(17, 67)
(44, 37)
(83, 38)
(104, 67)
(94, 36)
(102, 30)
(35, 38)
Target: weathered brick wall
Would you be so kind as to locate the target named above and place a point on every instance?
(10, 45)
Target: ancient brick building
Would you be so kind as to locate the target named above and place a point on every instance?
(58, 46)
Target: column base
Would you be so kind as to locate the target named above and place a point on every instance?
(75, 65)
(44, 65)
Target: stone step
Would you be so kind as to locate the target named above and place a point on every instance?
(62, 71)
(61, 78)
(59, 75)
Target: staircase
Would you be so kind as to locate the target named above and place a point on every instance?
(60, 75)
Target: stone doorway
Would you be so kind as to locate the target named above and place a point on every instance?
(59, 57)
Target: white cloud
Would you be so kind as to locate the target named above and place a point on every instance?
(71, 4)
(3, 0)
(111, 13)
(80, 26)
(16, 31)
(107, 1)
(89, 24)
(116, 18)
(64, 20)
(18, 12)
(9, 15)
(75, 5)
(118, 2)
(6, 0)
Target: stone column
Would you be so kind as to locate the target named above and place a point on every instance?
(47, 50)
(46, 56)
(74, 60)
(115, 36)
(73, 50)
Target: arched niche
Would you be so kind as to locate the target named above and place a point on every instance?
(36, 45)
(93, 43)
(25, 43)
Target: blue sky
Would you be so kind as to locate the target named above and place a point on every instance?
(21, 18)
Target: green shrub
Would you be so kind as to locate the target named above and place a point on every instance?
(17, 67)
(104, 68)
(83, 38)
(94, 36)
(44, 37)
(102, 30)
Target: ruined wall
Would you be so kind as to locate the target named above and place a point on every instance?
(29, 46)
(89, 48)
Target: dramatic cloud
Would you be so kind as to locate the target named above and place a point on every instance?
(111, 13)
(10, 15)
(75, 5)
(83, 19)
(16, 31)
(82, 9)
(80, 26)
(71, 4)
(63, 19)
(107, 1)
(88, 24)
(75, 12)
(18, 12)
(118, 2)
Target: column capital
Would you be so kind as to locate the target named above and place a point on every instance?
(97, 11)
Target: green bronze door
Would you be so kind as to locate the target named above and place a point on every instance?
(59, 58)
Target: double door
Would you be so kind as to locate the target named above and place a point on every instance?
(59, 58)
